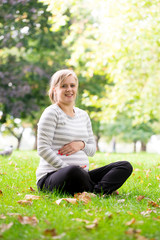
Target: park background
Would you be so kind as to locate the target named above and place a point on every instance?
(114, 48)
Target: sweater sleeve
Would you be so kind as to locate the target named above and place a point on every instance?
(90, 145)
(46, 128)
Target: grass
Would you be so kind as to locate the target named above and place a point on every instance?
(115, 214)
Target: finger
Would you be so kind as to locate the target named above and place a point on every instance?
(70, 153)
(66, 152)
(83, 166)
(63, 150)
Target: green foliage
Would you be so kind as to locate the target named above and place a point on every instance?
(123, 129)
(133, 42)
(30, 53)
(119, 43)
(113, 46)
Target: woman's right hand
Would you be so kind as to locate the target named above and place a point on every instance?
(83, 166)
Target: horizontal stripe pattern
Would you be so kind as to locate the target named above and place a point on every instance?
(55, 129)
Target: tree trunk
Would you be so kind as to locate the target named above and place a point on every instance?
(113, 144)
(97, 141)
(19, 138)
(143, 147)
(19, 142)
(134, 150)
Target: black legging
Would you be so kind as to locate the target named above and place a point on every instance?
(73, 179)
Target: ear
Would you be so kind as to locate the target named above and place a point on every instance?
(54, 90)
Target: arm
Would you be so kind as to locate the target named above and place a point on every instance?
(46, 129)
(90, 145)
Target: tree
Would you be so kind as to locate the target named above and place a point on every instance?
(131, 47)
(14, 127)
(30, 53)
(82, 43)
(122, 129)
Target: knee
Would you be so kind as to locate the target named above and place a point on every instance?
(128, 166)
(74, 170)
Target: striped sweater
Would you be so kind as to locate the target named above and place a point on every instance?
(55, 129)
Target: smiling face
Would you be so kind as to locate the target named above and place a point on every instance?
(66, 91)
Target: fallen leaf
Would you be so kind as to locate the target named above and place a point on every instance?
(139, 163)
(149, 184)
(139, 198)
(109, 214)
(25, 202)
(132, 221)
(140, 237)
(4, 173)
(140, 222)
(28, 220)
(115, 193)
(137, 170)
(81, 220)
(84, 197)
(158, 178)
(12, 214)
(59, 236)
(68, 200)
(88, 212)
(2, 216)
(93, 225)
(89, 224)
(148, 212)
(1, 193)
(16, 169)
(31, 189)
(121, 200)
(50, 232)
(32, 197)
(157, 218)
(153, 204)
(4, 227)
(19, 194)
(148, 172)
(12, 163)
(132, 231)
(130, 213)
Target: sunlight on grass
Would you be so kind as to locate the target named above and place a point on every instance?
(133, 214)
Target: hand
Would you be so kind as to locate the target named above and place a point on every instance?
(71, 148)
(83, 166)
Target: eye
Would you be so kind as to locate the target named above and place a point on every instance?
(73, 85)
(64, 86)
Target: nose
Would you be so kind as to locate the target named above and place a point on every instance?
(68, 88)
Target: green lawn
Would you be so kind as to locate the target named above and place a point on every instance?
(117, 217)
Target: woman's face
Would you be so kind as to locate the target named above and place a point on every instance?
(66, 91)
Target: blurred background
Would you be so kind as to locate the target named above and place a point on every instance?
(114, 48)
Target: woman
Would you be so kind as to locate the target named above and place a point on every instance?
(65, 140)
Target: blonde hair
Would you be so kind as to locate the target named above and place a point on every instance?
(57, 78)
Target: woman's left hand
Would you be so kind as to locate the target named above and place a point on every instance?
(71, 148)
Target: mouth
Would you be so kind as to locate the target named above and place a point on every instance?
(69, 95)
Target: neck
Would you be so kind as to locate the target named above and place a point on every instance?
(68, 109)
